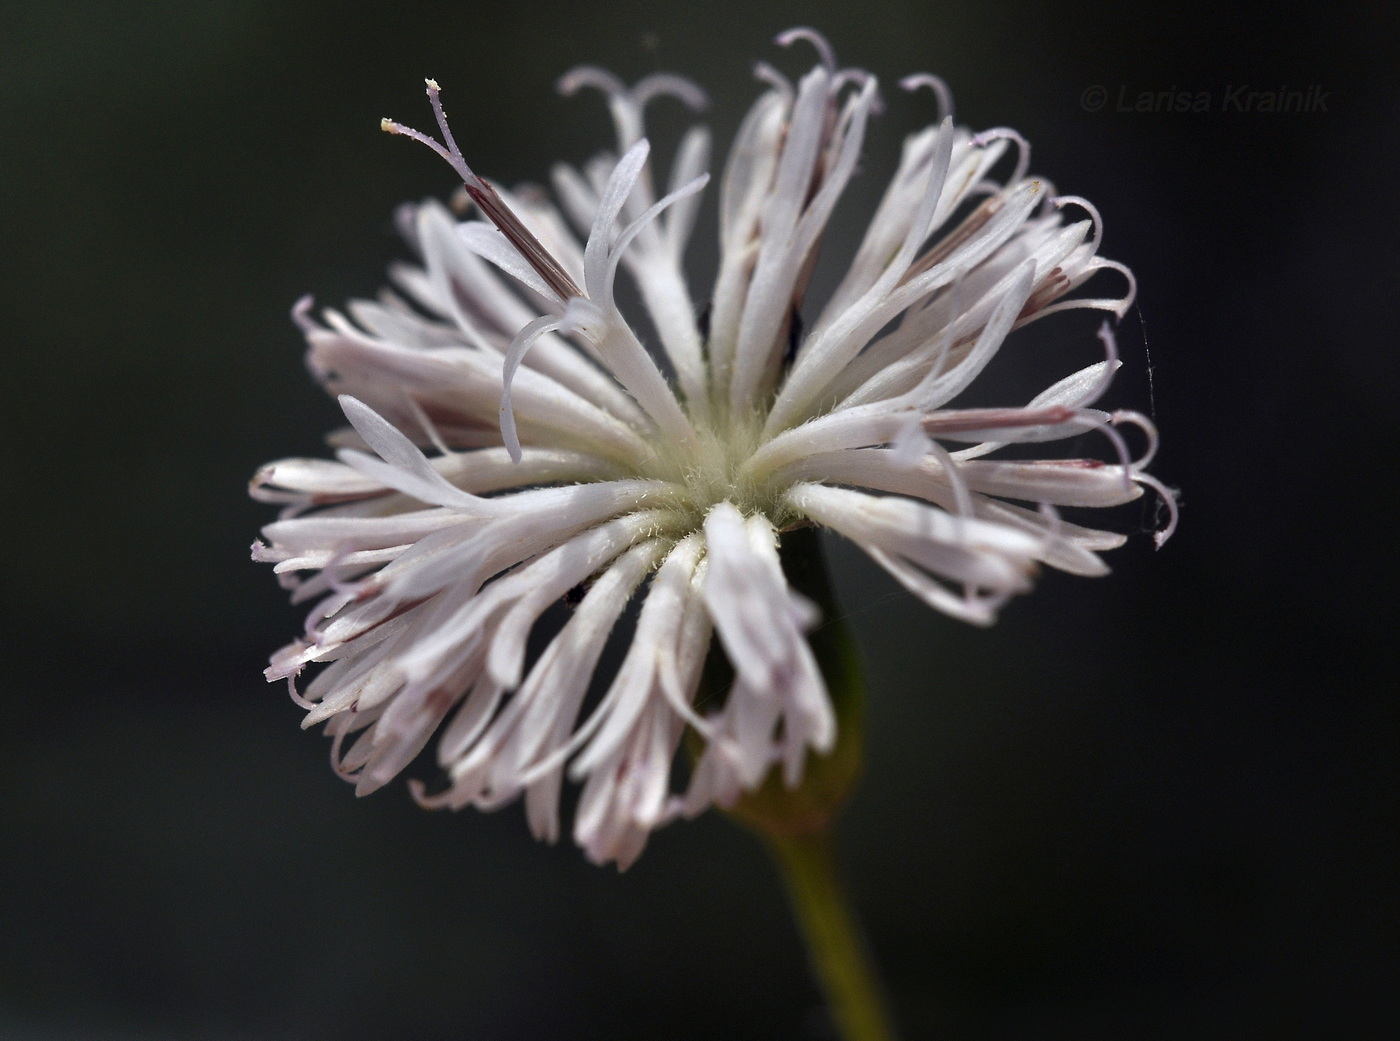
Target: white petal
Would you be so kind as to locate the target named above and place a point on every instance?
(490, 244)
(404, 466)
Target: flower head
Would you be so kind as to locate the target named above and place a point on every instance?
(513, 443)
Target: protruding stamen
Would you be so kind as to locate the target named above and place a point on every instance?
(389, 126)
(435, 99)
(529, 247)
(492, 206)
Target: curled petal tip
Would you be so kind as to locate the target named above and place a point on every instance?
(816, 39)
(581, 76)
(301, 313)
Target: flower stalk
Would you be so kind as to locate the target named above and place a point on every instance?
(839, 956)
(797, 824)
(513, 442)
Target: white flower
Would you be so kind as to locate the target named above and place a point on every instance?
(564, 459)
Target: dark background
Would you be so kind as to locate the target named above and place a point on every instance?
(1157, 805)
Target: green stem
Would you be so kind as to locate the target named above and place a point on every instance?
(796, 823)
(834, 942)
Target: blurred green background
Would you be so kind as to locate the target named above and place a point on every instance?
(1159, 805)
